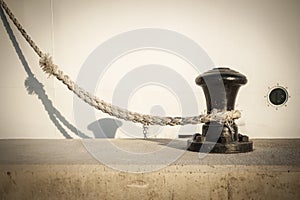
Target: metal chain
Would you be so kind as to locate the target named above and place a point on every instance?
(145, 130)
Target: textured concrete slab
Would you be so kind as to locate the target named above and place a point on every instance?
(57, 151)
(64, 169)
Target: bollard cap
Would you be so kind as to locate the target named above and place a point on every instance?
(221, 74)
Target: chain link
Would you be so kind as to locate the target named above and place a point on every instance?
(145, 130)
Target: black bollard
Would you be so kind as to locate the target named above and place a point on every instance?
(220, 86)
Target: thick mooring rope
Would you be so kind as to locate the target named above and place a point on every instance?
(50, 68)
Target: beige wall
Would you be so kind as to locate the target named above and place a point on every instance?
(257, 38)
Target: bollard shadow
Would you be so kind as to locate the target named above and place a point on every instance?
(33, 86)
(105, 128)
(179, 144)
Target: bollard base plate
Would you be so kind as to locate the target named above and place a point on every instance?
(211, 147)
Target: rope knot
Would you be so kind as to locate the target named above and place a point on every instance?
(47, 65)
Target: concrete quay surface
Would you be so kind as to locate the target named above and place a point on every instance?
(146, 169)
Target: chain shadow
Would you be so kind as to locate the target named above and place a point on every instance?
(33, 86)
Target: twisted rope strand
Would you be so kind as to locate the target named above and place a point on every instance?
(50, 68)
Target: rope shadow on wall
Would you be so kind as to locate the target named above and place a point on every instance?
(101, 128)
(33, 86)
